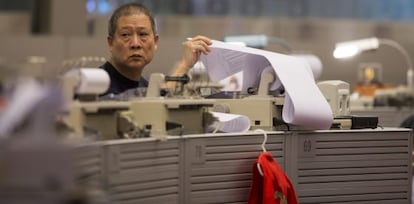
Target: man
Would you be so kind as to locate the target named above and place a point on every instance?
(133, 40)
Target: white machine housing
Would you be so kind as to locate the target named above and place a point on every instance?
(337, 94)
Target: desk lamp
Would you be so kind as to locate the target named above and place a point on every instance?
(352, 48)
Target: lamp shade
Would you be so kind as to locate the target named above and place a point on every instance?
(351, 48)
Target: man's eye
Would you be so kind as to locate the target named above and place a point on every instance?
(125, 34)
(143, 34)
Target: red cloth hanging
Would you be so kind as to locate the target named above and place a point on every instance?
(274, 187)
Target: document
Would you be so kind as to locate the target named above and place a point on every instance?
(304, 104)
(230, 123)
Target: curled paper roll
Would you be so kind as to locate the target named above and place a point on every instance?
(92, 80)
(314, 63)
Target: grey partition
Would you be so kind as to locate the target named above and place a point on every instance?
(387, 116)
(89, 165)
(143, 171)
(344, 166)
(218, 167)
(366, 166)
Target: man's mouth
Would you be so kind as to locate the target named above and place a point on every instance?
(135, 56)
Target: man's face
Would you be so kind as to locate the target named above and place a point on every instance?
(134, 43)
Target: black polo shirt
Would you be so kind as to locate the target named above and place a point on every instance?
(119, 83)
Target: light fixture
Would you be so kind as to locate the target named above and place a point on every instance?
(351, 48)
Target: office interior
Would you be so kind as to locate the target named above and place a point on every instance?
(45, 38)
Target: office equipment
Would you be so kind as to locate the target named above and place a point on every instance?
(337, 93)
(152, 115)
(289, 74)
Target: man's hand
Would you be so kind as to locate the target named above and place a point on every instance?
(193, 47)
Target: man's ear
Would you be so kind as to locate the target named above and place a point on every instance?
(109, 40)
(156, 39)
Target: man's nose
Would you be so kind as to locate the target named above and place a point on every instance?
(135, 42)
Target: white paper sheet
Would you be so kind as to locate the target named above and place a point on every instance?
(230, 122)
(304, 104)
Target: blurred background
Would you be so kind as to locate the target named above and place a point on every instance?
(46, 37)
(48, 32)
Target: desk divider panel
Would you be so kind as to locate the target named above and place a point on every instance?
(218, 168)
(354, 166)
(367, 166)
(144, 171)
(89, 165)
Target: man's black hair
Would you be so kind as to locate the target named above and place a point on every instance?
(127, 10)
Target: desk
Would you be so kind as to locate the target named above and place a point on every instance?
(358, 166)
